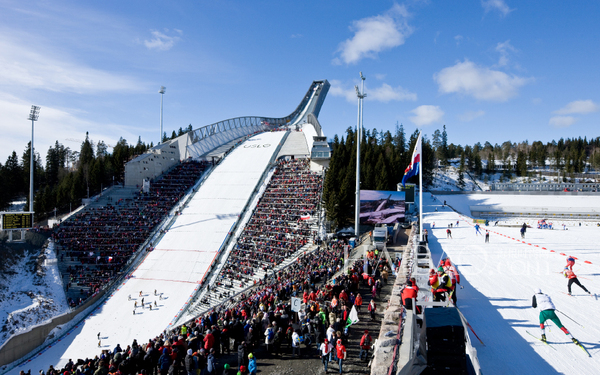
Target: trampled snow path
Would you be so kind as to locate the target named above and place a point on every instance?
(173, 268)
(499, 278)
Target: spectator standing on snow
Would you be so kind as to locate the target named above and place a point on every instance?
(547, 308)
(569, 274)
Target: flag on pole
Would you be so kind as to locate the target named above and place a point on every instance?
(352, 317)
(414, 168)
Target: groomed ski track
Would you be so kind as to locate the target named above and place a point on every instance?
(499, 278)
(176, 265)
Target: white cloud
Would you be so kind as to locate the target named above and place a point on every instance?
(479, 82)
(578, 107)
(498, 5)
(384, 93)
(161, 41)
(562, 121)
(426, 114)
(470, 115)
(504, 49)
(25, 66)
(458, 39)
(375, 34)
(293, 36)
(536, 101)
(380, 77)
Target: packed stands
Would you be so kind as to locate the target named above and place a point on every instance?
(278, 227)
(96, 244)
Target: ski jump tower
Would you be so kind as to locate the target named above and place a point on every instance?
(215, 139)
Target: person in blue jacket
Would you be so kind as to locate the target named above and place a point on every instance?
(251, 364)
(164, 362)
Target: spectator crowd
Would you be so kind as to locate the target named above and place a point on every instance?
(277, 227)
(259, 323)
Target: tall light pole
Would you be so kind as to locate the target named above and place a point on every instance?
(361, 95)
(161, 92)
(34, 114)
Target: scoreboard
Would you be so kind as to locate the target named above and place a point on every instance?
(17, 220)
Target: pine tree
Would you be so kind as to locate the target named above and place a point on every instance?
(444, 154)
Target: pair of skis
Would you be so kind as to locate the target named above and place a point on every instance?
(545, 342)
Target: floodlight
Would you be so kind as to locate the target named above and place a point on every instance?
(34, 114)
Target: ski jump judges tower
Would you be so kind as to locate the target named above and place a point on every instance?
(211, 142)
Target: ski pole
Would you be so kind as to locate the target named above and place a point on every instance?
(570, 319)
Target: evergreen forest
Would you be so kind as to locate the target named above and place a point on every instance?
(68, 176)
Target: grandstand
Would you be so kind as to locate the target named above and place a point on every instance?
(202, 218)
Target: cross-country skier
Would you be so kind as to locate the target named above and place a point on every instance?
(448, 233)
(487, 236)
(523, 230)
(477, 231)
(570, 262)
(547, 309)
(573, 279)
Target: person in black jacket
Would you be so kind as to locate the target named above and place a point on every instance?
(190, 363)
(242, 354)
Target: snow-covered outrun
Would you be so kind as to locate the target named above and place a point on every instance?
(499, 278)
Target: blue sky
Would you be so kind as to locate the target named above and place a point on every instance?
(492, 70)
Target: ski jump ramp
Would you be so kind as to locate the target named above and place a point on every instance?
(176, 265)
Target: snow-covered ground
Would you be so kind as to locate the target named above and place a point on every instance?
(499, 278)
(32, 293)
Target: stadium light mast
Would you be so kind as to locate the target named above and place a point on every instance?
(161, 92)
(361, 95)
(34, 114)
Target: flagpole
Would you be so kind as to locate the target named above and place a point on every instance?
(421, 192)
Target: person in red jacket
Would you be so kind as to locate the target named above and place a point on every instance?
(408, 293)
(358, 301)
(573, 279)
(372, 309)
(365, 345)
(343, 296)
(209, 341)
(341, 353)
